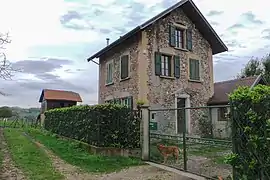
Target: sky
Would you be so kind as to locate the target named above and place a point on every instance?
(51, 40)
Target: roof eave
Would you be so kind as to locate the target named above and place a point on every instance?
(223, 47)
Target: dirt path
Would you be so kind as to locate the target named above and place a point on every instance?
(8, 170)
(145, 172)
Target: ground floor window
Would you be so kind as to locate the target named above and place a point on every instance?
(127, 101)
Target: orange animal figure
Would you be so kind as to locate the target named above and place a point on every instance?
(167, 151)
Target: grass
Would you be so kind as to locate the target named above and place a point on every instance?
(29, 158)
(72, 153)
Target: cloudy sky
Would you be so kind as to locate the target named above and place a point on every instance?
(51, 40)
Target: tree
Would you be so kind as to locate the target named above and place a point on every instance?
(252, 68)
(6, 70)
(5, 112)
(256, 67)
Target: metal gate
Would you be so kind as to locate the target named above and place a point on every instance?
(202, 135)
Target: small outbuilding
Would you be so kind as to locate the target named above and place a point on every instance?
(51, 99)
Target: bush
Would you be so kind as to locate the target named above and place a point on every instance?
(250, 131)
(106, 125)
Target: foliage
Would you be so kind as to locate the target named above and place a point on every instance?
(106, 125)
(205, 125)
(252, 68)
(140, 102)
(256, 67)
(29, 158)
(251, 126)
(71, 152)
(5, 112)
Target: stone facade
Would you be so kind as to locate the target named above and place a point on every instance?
(161, 92)
(164, 90)
(120, 88)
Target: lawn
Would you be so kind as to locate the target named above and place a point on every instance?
(29, 158)
(72, 153)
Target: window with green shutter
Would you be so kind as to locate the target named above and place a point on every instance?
(194, 69)
(189, 39)
(109, 69)
(124, 66)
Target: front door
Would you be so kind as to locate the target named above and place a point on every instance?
(181, 103)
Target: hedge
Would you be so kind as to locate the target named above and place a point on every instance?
(251, 133)
(106, 125)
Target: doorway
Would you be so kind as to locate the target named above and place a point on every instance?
(181, 114)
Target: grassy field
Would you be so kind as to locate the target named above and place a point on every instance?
(70, 151)
(29, 158)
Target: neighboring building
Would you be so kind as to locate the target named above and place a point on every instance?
(51, 99)
(165, 62)
(220, 120)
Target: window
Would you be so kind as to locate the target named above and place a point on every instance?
(124, 67)
(127, 101)
(194, 69)
(167, 65)
(179, 38)
(222, 114)
(109, 69)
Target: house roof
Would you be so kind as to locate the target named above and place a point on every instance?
(50, 94)
(194, 14)
(224, 88)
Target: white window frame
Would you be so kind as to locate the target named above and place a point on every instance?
(165, 65)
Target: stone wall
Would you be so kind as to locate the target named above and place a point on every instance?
(124, 88)
(163, 90)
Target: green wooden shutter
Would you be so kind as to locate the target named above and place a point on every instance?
(189, 39)
(197, 70)
(191, 69)
(176, 66)
(157, 63)
(172, 36)
(194, 69)
(108, 74)
(124, 66)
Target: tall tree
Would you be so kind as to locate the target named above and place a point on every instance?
(252, 68)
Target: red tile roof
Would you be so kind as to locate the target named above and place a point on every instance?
(50, 94)
(222, 89)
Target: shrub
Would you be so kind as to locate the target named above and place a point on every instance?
(250, 131)
(106, 125)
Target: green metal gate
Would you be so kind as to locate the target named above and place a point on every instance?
(194, 131)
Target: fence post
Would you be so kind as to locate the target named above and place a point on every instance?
(145, 132)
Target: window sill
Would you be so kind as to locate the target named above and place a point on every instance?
(195, 81)
(127, 78)
(181, 49)
(108, 84)
(167, 77)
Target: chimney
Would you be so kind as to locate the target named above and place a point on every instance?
(108, 41)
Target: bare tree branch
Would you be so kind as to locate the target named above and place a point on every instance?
(6, 70)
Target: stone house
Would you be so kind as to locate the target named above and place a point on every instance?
(220, 121)
(165, 62)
